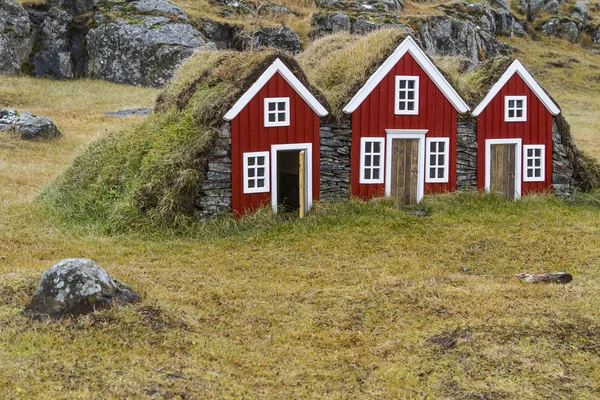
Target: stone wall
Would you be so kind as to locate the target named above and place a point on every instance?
(335, 162)
(564, 183)
(466, 158)
(215, 196)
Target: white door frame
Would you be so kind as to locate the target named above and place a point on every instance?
(392, 134)
(307, 147)
(488, 162)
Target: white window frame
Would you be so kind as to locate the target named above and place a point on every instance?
(518, 159)
(506, 109)
(392, 134)
(267, 187)
(446, 153)
(397, 110)
(381, 166)
(542, 149)
(270, 100)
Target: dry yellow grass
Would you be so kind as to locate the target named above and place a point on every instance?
(361, 300)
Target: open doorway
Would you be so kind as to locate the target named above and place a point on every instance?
(291, 178)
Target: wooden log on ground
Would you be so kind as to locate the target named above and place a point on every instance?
(554, 277)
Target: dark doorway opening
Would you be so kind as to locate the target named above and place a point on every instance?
(288, 181)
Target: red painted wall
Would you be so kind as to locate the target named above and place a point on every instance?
(376, 114)
(248, 134)
(536, 130)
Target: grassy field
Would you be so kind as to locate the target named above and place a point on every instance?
(360, 300)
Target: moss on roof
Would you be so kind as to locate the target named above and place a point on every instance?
(152, 174)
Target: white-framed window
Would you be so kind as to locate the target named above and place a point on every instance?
(407, 95)
(371, 160)
(277, 111)
(515, 108)
(256, 172)
(436, 160)
(533, 163)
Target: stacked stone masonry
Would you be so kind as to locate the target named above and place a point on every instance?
(466, 158)
(335, 143)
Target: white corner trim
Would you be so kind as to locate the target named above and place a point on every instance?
(517, 67)
(518, 158)
(277, 66)
(308, 169)
(542, 176)
(286, 121)
(392, 134)
(361, 178)
(408, 46)
(446, 178)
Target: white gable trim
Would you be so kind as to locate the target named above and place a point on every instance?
(277, 66)
(408, 46)
(517, 67)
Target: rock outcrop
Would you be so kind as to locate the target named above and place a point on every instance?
(282, 38)
(28, 126)
(53, 59)
(141, 43)
(78, 286)
(16, 37)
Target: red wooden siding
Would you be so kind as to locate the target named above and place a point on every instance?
(536, 130)
(376, 114)
(248, 134)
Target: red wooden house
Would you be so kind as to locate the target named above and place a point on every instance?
(271, 124)
(514, 135)
(404, 123)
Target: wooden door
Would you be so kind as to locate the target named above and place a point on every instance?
(502, 169)
(405, 170)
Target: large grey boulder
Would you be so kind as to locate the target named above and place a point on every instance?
(53, 59)
(75, 7)
(16, 37)
(328, 23)
(569, 31)
(596, 36)
(78, 286)
(142, 50)
(32, 127)
(282, 38)
(444, 36)
(551, 27)
(580, 12)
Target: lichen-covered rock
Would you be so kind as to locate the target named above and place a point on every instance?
(532, 7)
(7, 118)
(32, 127)
(551, 27)
(75, 7)
(142, 50)
(552, 7)
(78, 286)
(580, 12)
(282, 38)
(569, 31)
(16, 37)
(445, 36)
(53, 59)
(361, 5)
(596, 36)
(328, 23)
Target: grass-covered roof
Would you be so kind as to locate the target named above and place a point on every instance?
(152, 174)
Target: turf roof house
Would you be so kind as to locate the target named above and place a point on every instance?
(514, 135)
(270, 124)
(404, 129)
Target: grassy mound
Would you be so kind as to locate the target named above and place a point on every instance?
(151, 175)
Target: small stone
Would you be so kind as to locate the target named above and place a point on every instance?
(87, 285)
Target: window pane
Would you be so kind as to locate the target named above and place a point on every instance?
(511, 113)
(538, 162)
(281, 106)
(519, 103)
(260, 172)
(411, 84)
(281, 117)
(519, 113)
(441, 159)
(251, 160)
(402, 95)
(441, 146)
(251, 172)
(402, 106)
(368, 147)
(271, 117)
(367, 161)
(538, 173)
(411, 105)
(402, 84)
(376, 147)
(251, 183)
(529, 173)
(529, 152)
(271, 106)
(260, 160)
(376, 162)
(530, 162)
(411, 95)
(261, 183)
(432, 172)
(511, 104)
(440, 172)
(376, 173)
(432, 147)
(432, 159)
(538, 152)
(367, 173)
